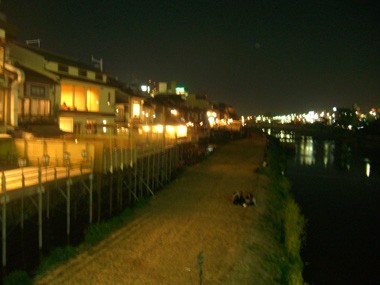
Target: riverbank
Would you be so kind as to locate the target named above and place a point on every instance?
(192, 225)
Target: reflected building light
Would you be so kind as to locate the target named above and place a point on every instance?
(325, 160)
(328, 150)
(307, 156)
(367, 167)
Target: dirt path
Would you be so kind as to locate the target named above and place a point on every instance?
(191, 215)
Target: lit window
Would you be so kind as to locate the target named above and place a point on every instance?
(93, 100)
(66, 124)
(136, 110)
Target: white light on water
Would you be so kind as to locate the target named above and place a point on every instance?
(367, 167)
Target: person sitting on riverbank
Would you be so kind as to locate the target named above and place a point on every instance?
(249, 200)
(237, 198)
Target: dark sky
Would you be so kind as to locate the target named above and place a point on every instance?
(258, 56)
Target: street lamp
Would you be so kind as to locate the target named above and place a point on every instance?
(66, 158)
(46, 160)
(66, 162)
(84, 156)
(22, 164)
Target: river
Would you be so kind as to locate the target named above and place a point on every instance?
(338, 189)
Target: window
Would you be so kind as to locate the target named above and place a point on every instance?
(77, 128)
(35, 107)
(40, 107)
(44, 108)
(63, 68)
(77, 97)
(136, 110)
(27, 107)
(67, 94)
(82, 72)
(91, 127)
(99, 76)
(92, 100)
(66, 124)
(37, 91)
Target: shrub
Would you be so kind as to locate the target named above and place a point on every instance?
(294, 224)
(284, 217)
(58, 255)
(18, 277)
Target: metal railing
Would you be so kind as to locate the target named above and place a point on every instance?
(22, 177)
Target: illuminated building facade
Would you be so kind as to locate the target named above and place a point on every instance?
(77, 97)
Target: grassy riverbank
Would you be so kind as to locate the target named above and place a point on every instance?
(283, 217)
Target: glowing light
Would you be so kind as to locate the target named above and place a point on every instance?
(181, 131)
(367, 167)
(66, 124)
(211, 120)
(158, 129)
(136, 110)
(146, 129)
(169, 129)
(174, 112)
(180, 90)
(211, 114)
(145, 88)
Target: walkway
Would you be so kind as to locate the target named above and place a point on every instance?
(194, 214)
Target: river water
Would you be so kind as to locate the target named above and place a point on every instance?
(338, 189)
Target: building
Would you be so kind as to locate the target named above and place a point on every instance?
(77, 97)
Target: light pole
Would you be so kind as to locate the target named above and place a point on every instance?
(46, 160)
(22, 164)
(84, 156)
(66, 160)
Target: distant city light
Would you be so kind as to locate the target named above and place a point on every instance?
(180, 90)
(145, 88)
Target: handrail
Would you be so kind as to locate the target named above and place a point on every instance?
(30, 175)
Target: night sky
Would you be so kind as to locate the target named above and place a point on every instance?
(259, 56)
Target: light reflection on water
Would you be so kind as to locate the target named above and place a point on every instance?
(309, 151)
(305, 151)
(336, 186)
(367, 167)
(283, 136)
